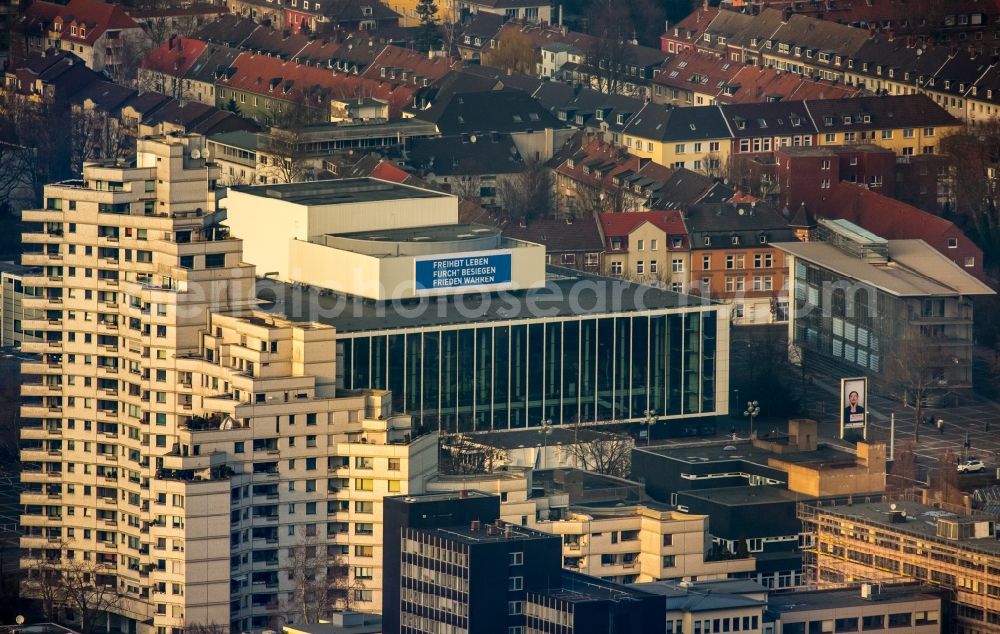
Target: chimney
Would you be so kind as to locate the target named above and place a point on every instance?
(474, 526)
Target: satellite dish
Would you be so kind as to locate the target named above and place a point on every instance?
(196, 154)
(19, 619)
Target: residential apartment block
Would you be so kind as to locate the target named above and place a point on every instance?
(609, 528)
(649, 247)
(733, 258)
(182, 448)
(959, 76)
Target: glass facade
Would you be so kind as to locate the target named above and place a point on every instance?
(513, 375)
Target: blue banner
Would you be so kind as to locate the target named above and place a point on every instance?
(462, 272)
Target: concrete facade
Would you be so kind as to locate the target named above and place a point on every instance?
(178, 446)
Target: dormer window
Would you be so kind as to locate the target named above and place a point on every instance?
(867, 118)
(72, 30)
(600, 115)
(616, 244)
(570, 163)
(847, 119)
(741, 124)
(708, 241)
(83, 31)
(366, 10)
(735, 240)
(586, 170)
(763, 239)
(620, 119)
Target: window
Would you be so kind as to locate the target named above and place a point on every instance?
(677, 265)
(653, 266)
(706, 262)
(669, 561)
(364, 484)
(639, 244)
(639, 267)
(517, 559)
(393, 464)
(515, 583)
(952, 243)
(970, 261)
(616, 268)
(393, 486)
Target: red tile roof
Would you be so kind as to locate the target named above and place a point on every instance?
(95, 17)
(692, 69)
(273, 77)
(433, 68)
(622, 224)
(386, 171)
(895, 220)
(175, 56)
(758, 85)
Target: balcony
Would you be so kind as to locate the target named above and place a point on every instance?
(37, 368)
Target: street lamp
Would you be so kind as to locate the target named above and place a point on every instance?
(650, 421)
(545, 430)
(753, 410)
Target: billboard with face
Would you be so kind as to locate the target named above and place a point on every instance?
(853, 401)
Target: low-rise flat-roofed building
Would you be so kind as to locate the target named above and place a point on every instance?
(862, 304)
(890, 541)
(868, 607)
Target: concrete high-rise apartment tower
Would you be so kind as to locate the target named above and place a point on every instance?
(186, 457)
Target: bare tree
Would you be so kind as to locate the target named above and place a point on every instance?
(84, 588)
(513, 53)
(611, 52)
(97, 135)
(610, 454)
(528, 194)
(946, 479)
(912, 372)
(286, 141)
(974, 157)
(312, 580)
(461, 456)
(904, 468)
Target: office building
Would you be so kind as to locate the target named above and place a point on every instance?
(177, 444)
(884, 541)
(13, 314)
(471, 331)
(858, 299)
(458, 567)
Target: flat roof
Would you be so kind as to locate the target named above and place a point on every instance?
(746, 495)
(725, 451)
(811, 600)
(339, 192)
(442, 496)
(915, 269)
(534, 437)
(436, 233)
(567, 293)
(579, 588)
(463, 533)
(921, 522)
